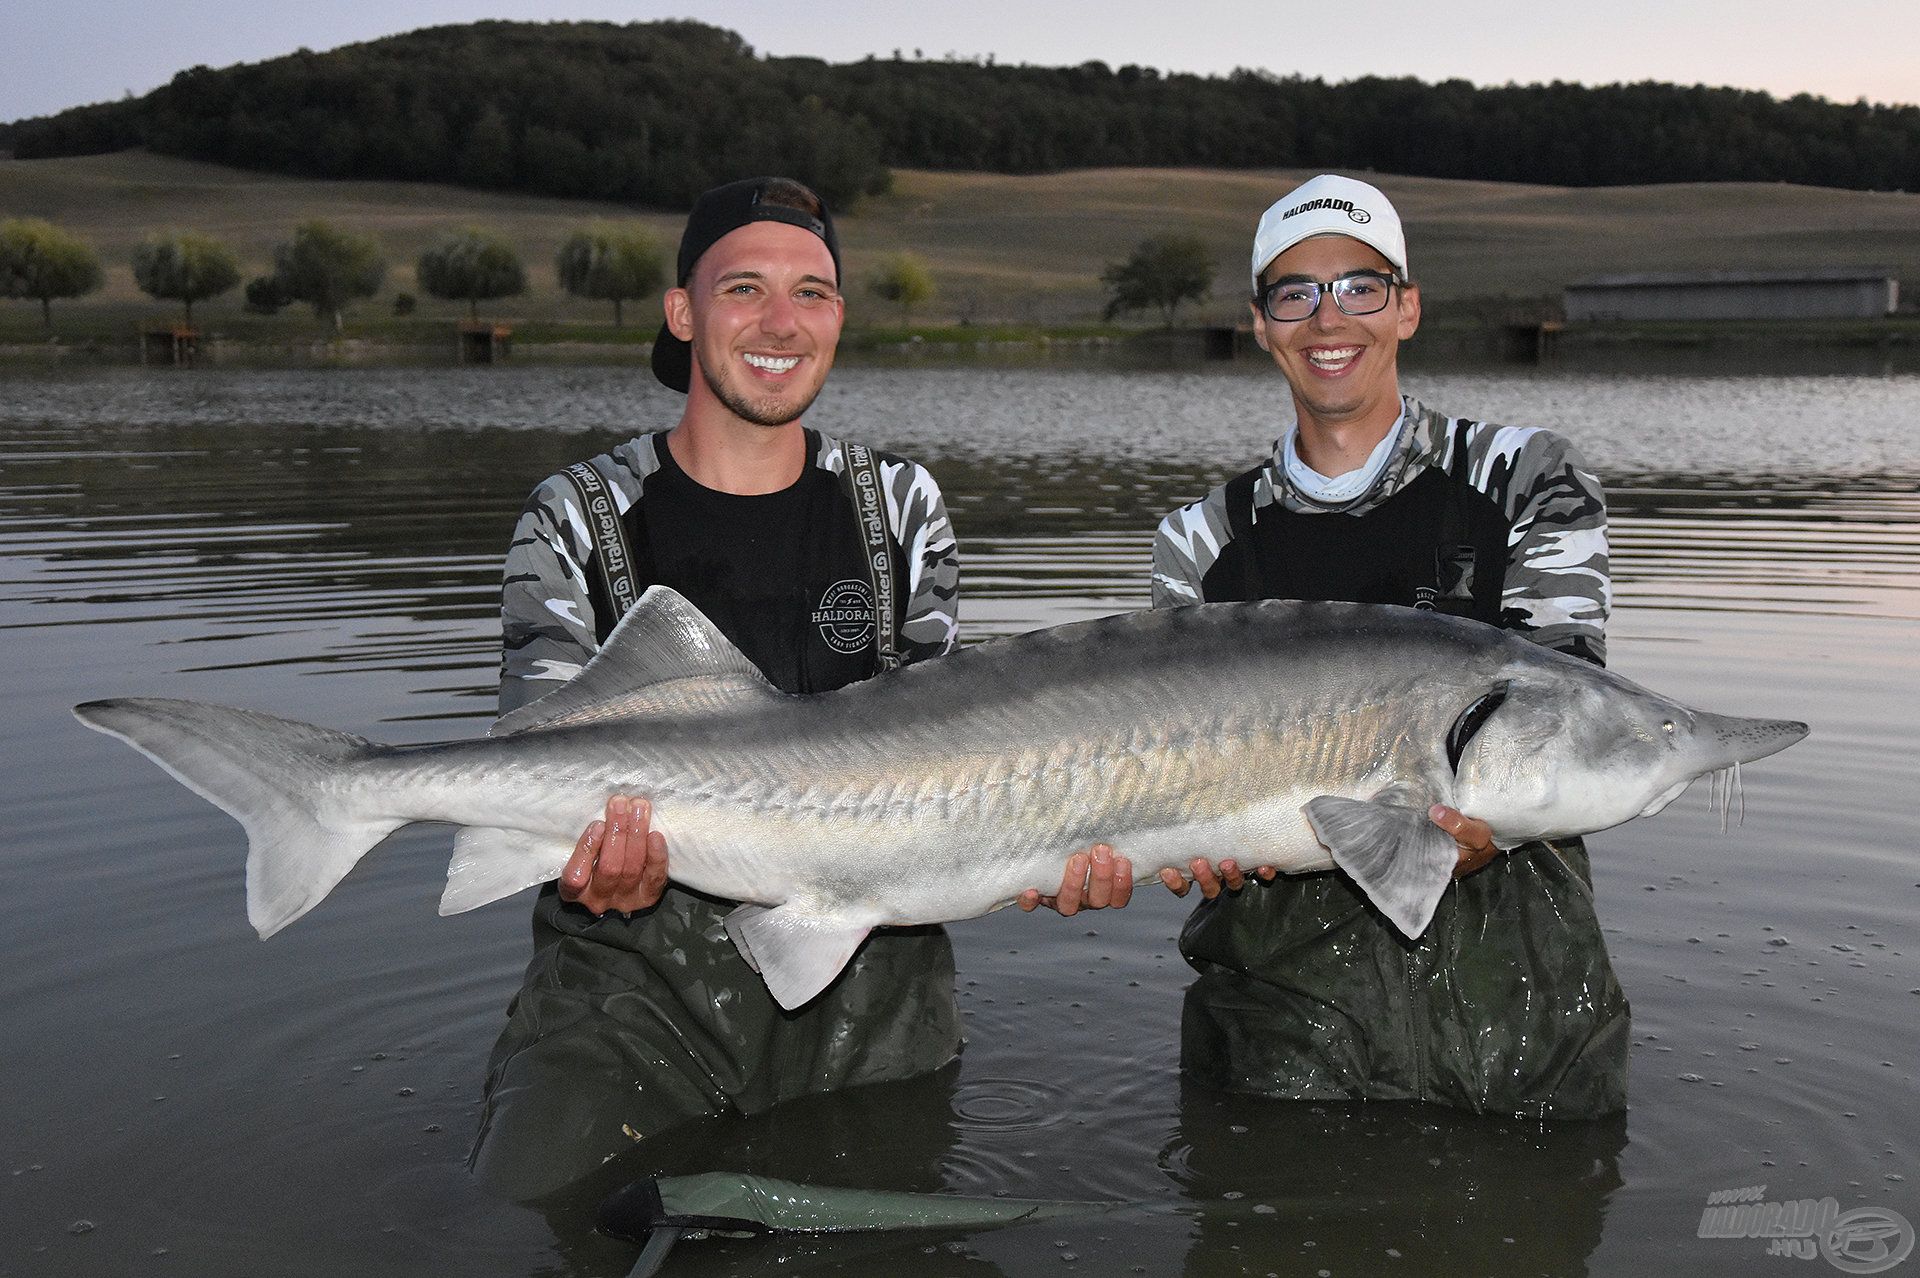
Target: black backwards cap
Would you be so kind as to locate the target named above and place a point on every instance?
(725, 209)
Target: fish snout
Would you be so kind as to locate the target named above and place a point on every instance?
(1737, 740)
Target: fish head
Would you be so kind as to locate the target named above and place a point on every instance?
(1568, 748)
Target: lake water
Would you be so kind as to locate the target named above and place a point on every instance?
(181, 1098)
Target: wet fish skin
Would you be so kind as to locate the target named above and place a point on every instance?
(1297, 735)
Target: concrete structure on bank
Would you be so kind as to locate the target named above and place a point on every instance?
(1818, 293)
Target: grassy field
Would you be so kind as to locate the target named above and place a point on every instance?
(1004, 250)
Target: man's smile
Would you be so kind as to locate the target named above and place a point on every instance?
(775, 364)
(1332, 359)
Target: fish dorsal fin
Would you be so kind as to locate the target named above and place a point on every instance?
(664, 658)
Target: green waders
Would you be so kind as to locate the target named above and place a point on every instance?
(625, 1028)
(1506, 1004)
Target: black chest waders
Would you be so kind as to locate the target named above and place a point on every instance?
(1438, 544)
(619, 567)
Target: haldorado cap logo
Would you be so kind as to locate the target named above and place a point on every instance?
(1344, 206)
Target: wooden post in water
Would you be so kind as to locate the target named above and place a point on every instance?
(484, 343)
(178, 345)
(1534, 342)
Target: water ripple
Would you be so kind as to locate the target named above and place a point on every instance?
(1009, 1104)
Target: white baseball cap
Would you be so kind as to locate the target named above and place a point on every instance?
(1330, 205)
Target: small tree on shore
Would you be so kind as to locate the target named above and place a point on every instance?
(1164, 271)
(471, 266)
(903, 279)
(42, 261)
(185, 267)
(611, 262)
(266, 295)
(328, 268)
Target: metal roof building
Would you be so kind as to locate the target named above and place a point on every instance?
(1818, 293)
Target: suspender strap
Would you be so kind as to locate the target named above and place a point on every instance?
(1240, 526)
(610, 546)
(863, 474)
(1453, 529)
(1457, 464)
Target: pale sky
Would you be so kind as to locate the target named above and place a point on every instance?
(60, 53)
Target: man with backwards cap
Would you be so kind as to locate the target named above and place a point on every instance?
(636, 1012)
(1507, 1003)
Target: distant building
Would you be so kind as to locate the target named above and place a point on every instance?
(1818, 293)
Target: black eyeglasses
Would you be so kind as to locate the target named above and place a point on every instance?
(1290, 301)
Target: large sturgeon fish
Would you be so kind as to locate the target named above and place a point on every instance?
(1298, 735)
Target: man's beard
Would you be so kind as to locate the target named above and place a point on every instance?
(777, 413)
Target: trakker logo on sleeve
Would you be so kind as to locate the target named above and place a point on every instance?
(1345, 206)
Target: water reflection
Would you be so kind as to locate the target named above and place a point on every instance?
(311, 524)
(1391, 1188)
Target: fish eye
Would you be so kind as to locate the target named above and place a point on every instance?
(1667, 726)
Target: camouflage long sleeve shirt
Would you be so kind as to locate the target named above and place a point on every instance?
(548, 620)
(1557, 588)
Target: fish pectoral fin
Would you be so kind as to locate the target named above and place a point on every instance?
(1398, 856)
(489, 863)
(796, 953)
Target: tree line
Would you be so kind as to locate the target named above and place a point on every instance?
(329, 268)
(648, 114)
(1028, 119)
(654, 113)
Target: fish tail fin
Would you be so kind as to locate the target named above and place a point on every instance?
(280, 779)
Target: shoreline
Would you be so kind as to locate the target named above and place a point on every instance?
(269, 344)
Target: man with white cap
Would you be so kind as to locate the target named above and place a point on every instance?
(1508, 1002)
